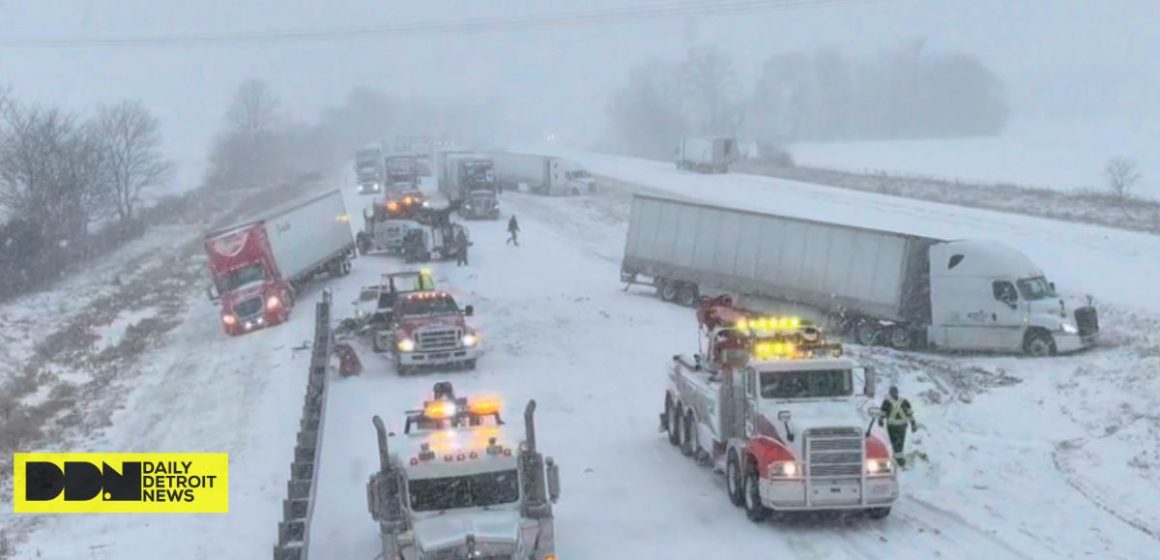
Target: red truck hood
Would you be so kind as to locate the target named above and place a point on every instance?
(411, 324)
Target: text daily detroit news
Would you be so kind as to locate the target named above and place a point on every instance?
(121, 483)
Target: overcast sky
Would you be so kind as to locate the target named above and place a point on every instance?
(1059, 58)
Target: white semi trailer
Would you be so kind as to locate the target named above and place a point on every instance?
(707, 154)
(883, 287)
(546, 175)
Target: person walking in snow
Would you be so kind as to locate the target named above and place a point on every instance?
(514, 230)
(461, 244)
(897, 414)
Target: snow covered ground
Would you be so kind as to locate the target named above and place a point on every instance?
(1027, 458)
(1065, 156)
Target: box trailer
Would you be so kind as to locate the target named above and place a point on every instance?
(258, 266)
(903, 290)
(707, 154)
(542, 174)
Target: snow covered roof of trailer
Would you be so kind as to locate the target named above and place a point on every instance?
(272, 212)
(690, 202)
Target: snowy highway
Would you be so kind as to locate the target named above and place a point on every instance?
(1014, 470)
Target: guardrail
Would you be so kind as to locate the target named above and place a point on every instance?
(298, 507)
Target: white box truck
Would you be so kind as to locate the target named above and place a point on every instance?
(707, 154)
(259, 265)
(546, 175)
(883, 287)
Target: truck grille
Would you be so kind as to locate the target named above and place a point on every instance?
(834, 452)
(249, 308)
(435, 340)
(1086, 320)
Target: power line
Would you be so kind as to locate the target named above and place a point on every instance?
(484, 25)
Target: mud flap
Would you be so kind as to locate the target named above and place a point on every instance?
(664, 427)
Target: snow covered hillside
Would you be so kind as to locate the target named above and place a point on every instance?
(1065, 156)
(1027, 458)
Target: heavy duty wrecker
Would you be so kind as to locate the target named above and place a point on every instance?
(460, 483)
(773, 405)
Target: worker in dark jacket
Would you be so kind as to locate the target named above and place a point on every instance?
(461, 244)
(514, 230)
(897, 414)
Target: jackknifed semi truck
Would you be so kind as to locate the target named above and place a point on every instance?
(882, 287)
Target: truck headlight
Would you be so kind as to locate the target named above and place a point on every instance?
(879, 466)
(470, 340)
(230, 319)
(787, 469)
(406, 345)
(1069, 328)
(273, 303)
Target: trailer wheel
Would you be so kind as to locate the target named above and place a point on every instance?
(668, 290)
(688, 295)
(754, 509)
(733, 482)
(901, 338)
(675, 431)
(1039, 344)
(671, 422)
(866, 332)
(688, 435)
(364, 243)
(878, 513)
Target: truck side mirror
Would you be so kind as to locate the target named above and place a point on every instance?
(212, 293)
(874, 411)
(783, 416)
(469, 310)
(1051, 285)
(553, 480)
(870, 384)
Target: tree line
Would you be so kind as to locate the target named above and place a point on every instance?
(907, 92)
(71, 184)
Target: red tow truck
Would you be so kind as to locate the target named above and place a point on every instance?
(773, 405)
(432, 330)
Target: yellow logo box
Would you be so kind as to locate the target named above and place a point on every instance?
(121, 483)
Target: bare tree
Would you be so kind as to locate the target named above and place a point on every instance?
(254, 110)
(130, 139)
(51, 170)
(1121, 175)
(711, 91)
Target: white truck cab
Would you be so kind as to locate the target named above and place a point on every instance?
(988, 296)
(461, 483)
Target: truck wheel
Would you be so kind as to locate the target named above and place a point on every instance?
(754, 509)
(671, 421)
(733, 483)
(688, 435)
(687, 295)
(375, 346)
(346, 267)
(866, 332)
(364, 244)
(400, 368)
(878, 513)
(1039, 344)
(668, 290)
(901, 338)
(675, 431)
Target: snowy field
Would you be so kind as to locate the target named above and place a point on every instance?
(1027, 458)
(1067, 156)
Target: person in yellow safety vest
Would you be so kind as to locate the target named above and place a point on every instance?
(897, 413)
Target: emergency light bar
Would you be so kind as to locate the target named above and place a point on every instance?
(448, 411)
(769, 323)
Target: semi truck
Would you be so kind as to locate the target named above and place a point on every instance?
(469, 180)
(902, 290)
(369, 166)
(402, 171)
(259, 266)
(545, 175)
(459, 482)
(777, 409)
(707, 154)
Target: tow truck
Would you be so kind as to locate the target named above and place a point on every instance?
(386, 223)
(772, 404)
(374, 309)
(431, 330)
(460, 483)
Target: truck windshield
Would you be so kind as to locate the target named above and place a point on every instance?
(1035, 288)
(428, 306)
(453, 492)
(806, 384)
(239, 277)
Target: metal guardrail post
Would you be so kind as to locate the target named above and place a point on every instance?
(298, 507)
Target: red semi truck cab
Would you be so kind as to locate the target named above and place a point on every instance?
(246, 278)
